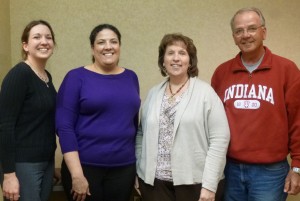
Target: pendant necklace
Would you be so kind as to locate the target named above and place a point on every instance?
(44, 78)
(172, 97)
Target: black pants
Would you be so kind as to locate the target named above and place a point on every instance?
(166, 191)
(105, 184)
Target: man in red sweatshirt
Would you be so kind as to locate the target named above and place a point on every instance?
(261, 96)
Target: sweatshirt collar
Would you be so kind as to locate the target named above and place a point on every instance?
(265, 64)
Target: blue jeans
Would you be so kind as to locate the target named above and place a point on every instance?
(35, 180)
(255, 182)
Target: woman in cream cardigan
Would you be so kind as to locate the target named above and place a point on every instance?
(183, 135)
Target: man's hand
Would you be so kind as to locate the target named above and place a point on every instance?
(292, 183)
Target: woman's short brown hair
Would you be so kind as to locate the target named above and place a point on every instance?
(170, 39)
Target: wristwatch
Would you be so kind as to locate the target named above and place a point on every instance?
(296, 170)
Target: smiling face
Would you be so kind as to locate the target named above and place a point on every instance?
(176, 60)
(106, 49)
(40, 43)
(249, 41)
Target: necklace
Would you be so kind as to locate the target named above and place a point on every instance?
(172, 97)
(44, 77)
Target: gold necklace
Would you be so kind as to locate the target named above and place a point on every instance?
(172, 97)
(44, 78)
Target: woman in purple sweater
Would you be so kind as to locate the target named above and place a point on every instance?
(96, 121)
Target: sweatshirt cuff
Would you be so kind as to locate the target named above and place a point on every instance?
(295, 163)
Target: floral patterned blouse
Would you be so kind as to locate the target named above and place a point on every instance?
(165, 139)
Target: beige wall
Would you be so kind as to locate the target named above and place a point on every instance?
(5, 53)
(142, 24)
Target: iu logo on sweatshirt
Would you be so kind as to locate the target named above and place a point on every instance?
(249, 96)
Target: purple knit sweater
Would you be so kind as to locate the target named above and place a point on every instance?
(97, 115)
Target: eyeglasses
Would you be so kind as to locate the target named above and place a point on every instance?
(250, 30)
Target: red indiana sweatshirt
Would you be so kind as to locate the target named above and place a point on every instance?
(263, 109)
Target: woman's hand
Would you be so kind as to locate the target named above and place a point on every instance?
(80, 188)
(11, 186)
(206, 195)
(137, 186)
(57, 176)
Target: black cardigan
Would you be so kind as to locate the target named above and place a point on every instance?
(27, 112)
